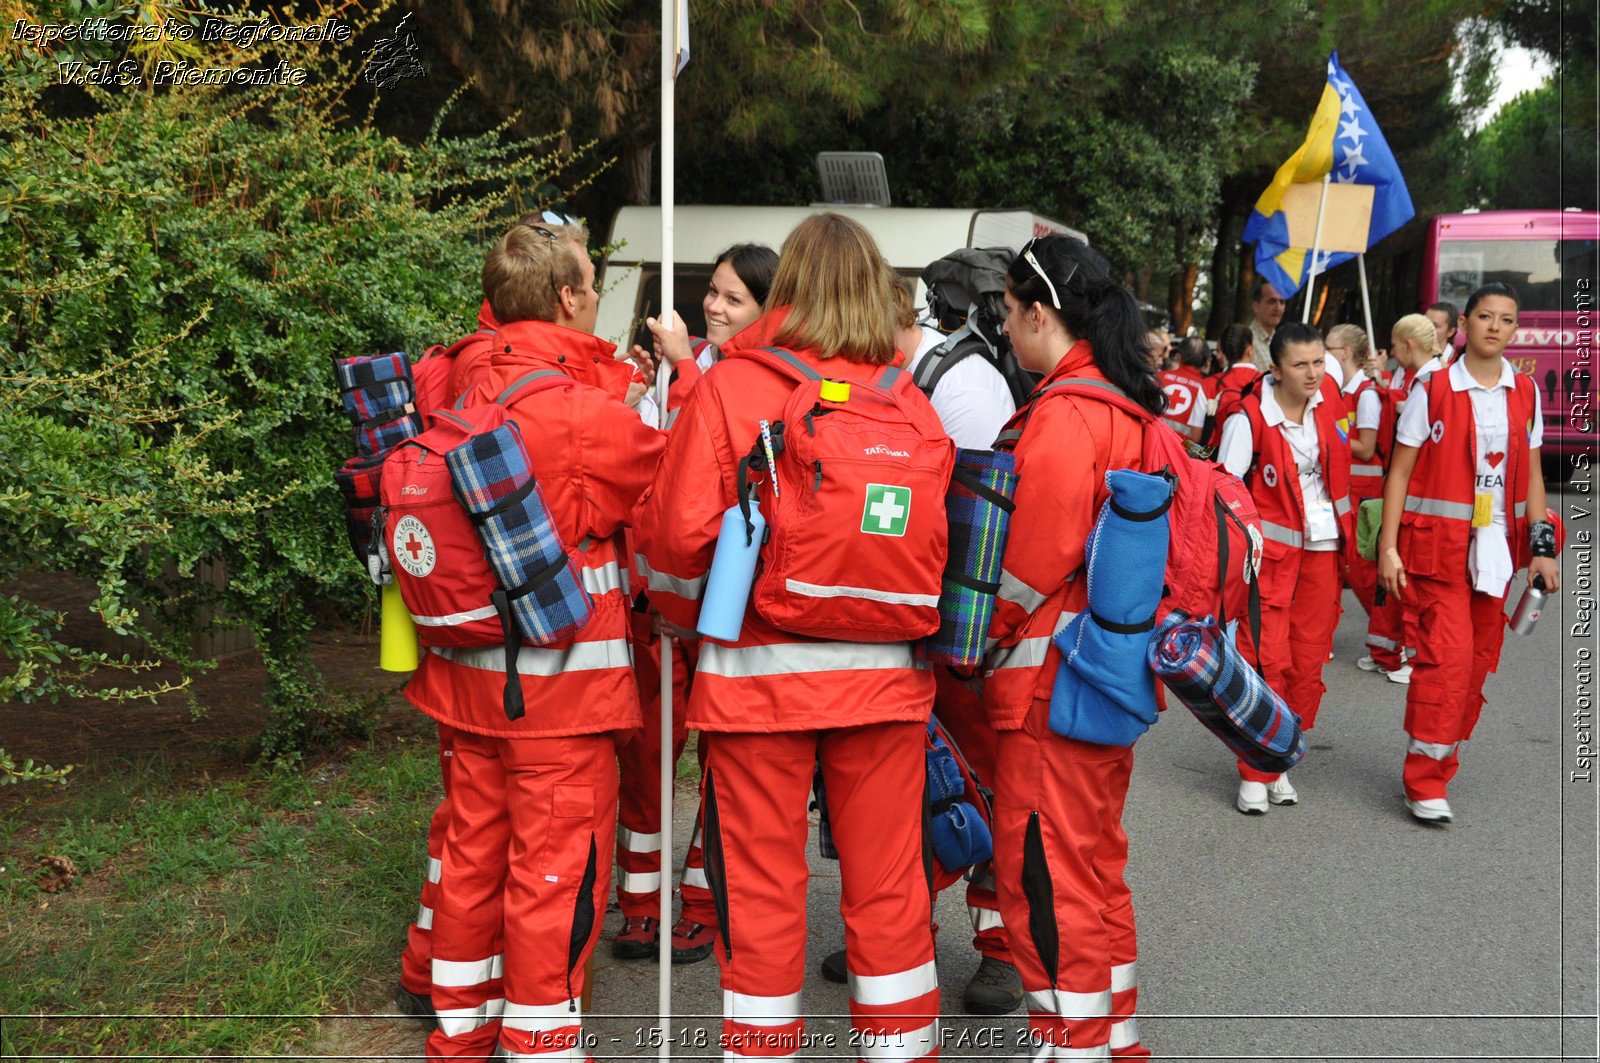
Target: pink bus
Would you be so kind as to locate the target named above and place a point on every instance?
(1548, 256)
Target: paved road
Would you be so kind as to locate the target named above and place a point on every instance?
(1338, 929)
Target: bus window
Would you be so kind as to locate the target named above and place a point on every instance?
(1533, 267)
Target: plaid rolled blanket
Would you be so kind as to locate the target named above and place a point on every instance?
(1198, 662)
(358, 480)
(491, 478)
(380, 398)
(978, 508)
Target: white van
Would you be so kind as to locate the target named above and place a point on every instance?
(910, 238)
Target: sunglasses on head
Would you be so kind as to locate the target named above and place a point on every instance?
(1030, 259)
(550, 217)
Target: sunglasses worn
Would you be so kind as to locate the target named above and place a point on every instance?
(1028, 257)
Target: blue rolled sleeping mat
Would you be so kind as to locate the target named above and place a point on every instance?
(978, 509)
(1104, 690)
(1200, 664)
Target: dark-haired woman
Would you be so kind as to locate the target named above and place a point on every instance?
(739, 283)
(1059, 844)
(1237, 347)
(1463, 509)
(1285, 444)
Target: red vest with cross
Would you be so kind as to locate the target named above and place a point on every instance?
(1366, 477)
(1436, 527)
(1274, 478)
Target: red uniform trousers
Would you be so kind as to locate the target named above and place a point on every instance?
(527, 868)
(1061, 848)
(962, 712)
(417, 959)
(756, 787)
(639, 802)
(1386, 628)
(1299, 613)
(1460, 632)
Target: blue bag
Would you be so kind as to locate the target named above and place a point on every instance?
(961, 834)
(1104, 690)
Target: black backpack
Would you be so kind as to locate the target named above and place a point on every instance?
(966, 295)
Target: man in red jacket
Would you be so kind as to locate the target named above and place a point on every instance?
(527, 857)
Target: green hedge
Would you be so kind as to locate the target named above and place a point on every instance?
(177, 269)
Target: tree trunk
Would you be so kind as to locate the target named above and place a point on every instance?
(1180, 297)
(1247, 281)
(1221, 315)
(638, 165)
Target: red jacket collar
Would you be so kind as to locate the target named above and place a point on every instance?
(1079, 361)
(1189, 371)
(585, 358)
(486, 317)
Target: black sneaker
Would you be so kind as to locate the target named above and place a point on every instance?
(691, 941)
(638, 939)
(834, 970)
(414, 1005)
(995, 989)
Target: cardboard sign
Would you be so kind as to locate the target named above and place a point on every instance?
(1346, 217)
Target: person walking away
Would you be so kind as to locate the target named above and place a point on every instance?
(1463, 509)
(1060, 848)
(1182, 381)
(1284, 443)
(776, 702)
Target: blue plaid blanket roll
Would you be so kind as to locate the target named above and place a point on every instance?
(380, 398)
(978, 508)
(491, 477)
(1200, 664)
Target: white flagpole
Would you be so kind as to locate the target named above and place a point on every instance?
(1366, 302)
(1316, 246)
(669, 72)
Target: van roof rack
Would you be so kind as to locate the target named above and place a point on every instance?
(857, 178)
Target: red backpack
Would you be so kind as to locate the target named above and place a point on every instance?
(1214, 551)
(857, 534)
(431, 374)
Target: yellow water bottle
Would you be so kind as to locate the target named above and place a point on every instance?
(397, 638)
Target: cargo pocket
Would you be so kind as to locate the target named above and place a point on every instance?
(1419, 549)
(1041, 898)
(582, 914)
(716, 866)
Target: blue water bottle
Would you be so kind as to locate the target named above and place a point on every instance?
(733, 573)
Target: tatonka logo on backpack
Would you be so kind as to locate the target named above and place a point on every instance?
(413, 546)
(886, 452)
(887, 511)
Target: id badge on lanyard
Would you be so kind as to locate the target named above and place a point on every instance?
(1320, 522)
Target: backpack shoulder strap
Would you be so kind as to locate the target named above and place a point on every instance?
(945, 357)
(1084, 387)
(528, 383)
(784, 362)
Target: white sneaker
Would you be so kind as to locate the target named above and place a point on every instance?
(1281, 792)
(1401, 675)
(1252, 800)
(1367, 664)
(1433, 810)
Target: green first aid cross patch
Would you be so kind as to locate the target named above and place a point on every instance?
(887, 511)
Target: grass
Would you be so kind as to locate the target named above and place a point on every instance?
(274, 894)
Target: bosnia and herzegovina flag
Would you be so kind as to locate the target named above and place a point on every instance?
(1344, 140)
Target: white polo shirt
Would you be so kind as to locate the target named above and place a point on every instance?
(1236, 453)
(1489, 556)
(1369, 407)
(972, 400)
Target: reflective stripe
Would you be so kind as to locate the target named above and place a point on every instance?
(672, 416)
(1019, 593)
(637, 842)
(760, 1011)
(541, 1018)
(1029, 653)
(608, 577)
(905, 1046)
(875, 990)
(696, 876)
(1378, 642)
(799, 658)
(1432, 750)
(1124, 977)
(454, 619)
(1125, 1034)
(1341, 505)
(1520, 510)
(1438, 507)
(435, 869)
(984, 919)
(640, 881)
(665, 581)
(1098, 1052)
(1065, 1005)
(533, 661)
(453, 1022)
(1366, 470)
(819, 590)
(1279, 534)
(424, 917)
(461, 973)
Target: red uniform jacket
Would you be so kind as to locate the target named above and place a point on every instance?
(1274, 480)
(1436, 527)
(1068, 444)
(768, 680)
(593, 458)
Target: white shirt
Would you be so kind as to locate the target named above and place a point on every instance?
(1335, 369)
(972, 400)
(649, 412)
(1489, 557)
(1236, 453)
(1369, 407)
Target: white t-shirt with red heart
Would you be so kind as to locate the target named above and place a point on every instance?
(1489, 557)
